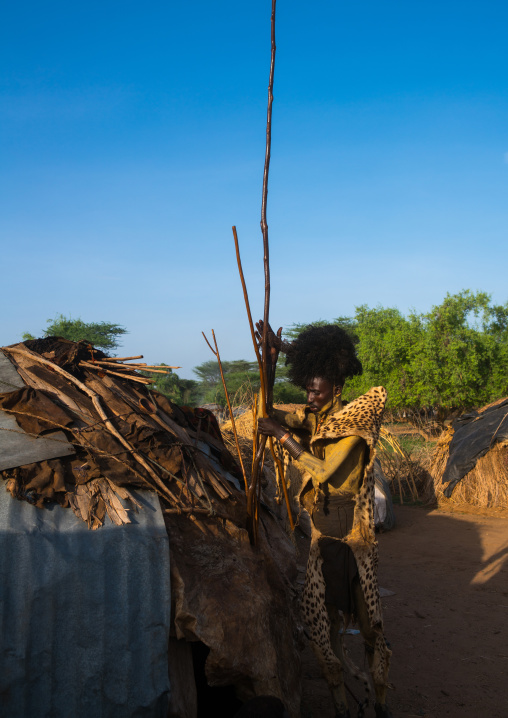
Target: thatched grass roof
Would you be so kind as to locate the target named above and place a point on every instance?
(485, 485)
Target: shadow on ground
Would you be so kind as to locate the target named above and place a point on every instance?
(445, 621)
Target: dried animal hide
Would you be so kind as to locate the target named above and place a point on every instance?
(91, 501)
(238, 601)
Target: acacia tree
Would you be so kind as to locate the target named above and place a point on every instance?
(103, 335)
(238, 374)
(183, 392)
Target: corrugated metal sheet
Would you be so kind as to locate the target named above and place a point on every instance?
(84, 615)
(10, 380)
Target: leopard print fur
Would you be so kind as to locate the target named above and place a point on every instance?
(361, 417)
(318, 625)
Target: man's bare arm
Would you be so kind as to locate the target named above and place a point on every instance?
(321, 470)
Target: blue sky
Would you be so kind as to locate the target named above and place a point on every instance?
(132, 138)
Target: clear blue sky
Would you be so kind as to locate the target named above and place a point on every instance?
(132, 137)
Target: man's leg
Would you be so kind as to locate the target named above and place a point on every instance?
(378, 654)
(336, 624)
(318, 623)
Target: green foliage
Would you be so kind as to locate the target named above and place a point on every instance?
(384, 340)
(286, 393)
(461, 358)
(242, 380)
(296, 329)
(349, 324)
(238, 375)
(455, 356)
(103, 335)
(183, 392)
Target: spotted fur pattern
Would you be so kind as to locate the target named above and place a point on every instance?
(361, 417)
(319, 628)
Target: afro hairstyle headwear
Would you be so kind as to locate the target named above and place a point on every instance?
(325, 352)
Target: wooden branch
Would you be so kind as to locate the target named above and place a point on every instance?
(194, 510)
(125, 375)
(255, 448)
(251, 323)
(108, 365)
(140, 356)
(210, 346)
(265, 374)
(264, 224)
(280, 468)
(134, 366)
(231, 415)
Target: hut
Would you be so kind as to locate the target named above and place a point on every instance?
(469, 466)
(129, 585)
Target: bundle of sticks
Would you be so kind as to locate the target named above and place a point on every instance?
(117, 367)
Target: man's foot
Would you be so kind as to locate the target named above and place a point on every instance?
(382, 711)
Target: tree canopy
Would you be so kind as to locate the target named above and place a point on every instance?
(103, 335)
(241, 377)
(184, 392)
(242, 381)
(455, 356)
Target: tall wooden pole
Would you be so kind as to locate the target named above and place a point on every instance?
(266, 369)
(264, 225)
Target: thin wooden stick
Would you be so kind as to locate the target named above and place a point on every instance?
(254, 430)
(264, 199)
(195, 510)
(251, 323)
(126, 368)
(110, 365)
(209, 345)
(280, 468)
(266, 263)
(154, 366)
(136, 366)
(256, 451)
(140, 356)
(231, 415)
(125, 375)
(267, 372)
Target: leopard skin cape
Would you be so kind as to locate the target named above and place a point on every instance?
(361, 417)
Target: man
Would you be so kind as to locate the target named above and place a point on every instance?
(334, 445)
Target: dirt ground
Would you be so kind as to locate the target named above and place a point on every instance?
(446, 621)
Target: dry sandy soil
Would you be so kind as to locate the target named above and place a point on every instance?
(446, 622)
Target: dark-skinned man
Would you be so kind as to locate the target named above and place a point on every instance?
(334, 446)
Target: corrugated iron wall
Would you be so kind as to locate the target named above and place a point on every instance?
(84, 615)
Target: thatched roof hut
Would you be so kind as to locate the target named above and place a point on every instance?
(86, 434)
(470, 463)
